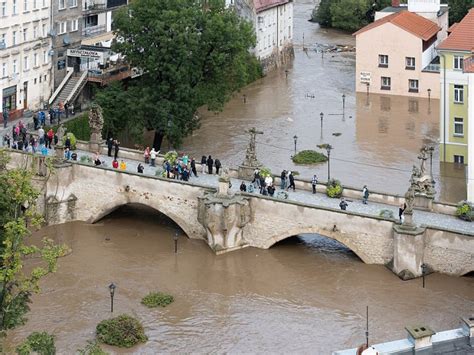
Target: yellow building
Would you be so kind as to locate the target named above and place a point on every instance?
(457, 97)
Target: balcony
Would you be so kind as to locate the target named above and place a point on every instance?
(92, 7)
(93, 30)
(106, 76)
(433, 67)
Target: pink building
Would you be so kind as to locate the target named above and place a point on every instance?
(396, 53)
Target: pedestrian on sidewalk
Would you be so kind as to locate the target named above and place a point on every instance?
(41, 135)
(116, 148)
(5, 117)
(153, 156)
(193, 167)
(51, 115)
(146, 155)
(243, 187)
(50, 136)
(210, 163)
(35, 121)
(110, 145)
(218, 165)
(67, 142)
(140, 168)
(401, 210)
(314, 182)
(291, 178)
(256, 178)
(66, 109)
(365, 194)
(203, 164)
(283, 180)
(115, 164)
(343, 204)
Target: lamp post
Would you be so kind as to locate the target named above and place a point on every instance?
(429, 95)
(112, 288)
(175, 237)
(244, 97)
(431, 150)
(322, 116)
(286, 73)
(295, 138)
(343, 102)
(328, 150)
(423, 273)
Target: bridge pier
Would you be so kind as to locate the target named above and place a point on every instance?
(408, 251)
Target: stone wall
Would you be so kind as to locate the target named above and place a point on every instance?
(278, 59)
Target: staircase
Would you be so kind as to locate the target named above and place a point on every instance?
(70, 89)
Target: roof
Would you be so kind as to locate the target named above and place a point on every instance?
(462, 35)
(408, 21)
(442, 10)
(261, 5)
(468, 65)
(452, 27)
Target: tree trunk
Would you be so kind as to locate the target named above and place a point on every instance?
(158, 140)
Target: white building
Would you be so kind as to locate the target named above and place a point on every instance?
(25, 63)
(273, 23)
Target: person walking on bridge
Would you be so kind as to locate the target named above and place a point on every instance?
(218, 165)
(203, 164)
(153, 156)
(110, 145)
(365, 194)
(314, 182)
(116, 148)
(193, 167)
(210, 163)
(291, 178)
(343, 204)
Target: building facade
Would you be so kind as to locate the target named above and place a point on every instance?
(25, 62)
(273, 24)
(457, 98)
(403, 60)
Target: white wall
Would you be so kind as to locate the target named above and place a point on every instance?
(470, 139)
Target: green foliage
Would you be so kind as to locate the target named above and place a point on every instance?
(18, 215)
(171, 157)
(265, 172)
(85, 159)
(79, 126)
(458, 9)
(92, 348)
(155, 299)
(309, 157)
(334, 188)
(39, 343)
(386, 214)
(72, 138)
(465, 211)
(123, 331)
(322, 13)
(193, 53)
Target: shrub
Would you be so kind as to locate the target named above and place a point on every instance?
(92, 348)
(79, 127)
(171, 157)
(155, 299)
(265, 172)
(334, 188)
(309, 157)
(72, 138)
(465, 211)
(122, 331)
(386, 214)
(85, 159)
(41, 343)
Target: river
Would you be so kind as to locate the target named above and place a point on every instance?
(306, 294)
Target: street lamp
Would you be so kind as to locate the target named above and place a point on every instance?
(175, 237)
(429, 95)
(431, 150)
(112, 288)
(423, 272)
(286, 73)
(322, 116)
(328, 150)
(295, 138)
(343, 102)
(368, 84)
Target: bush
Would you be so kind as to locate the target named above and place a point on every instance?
(72, 138)
(334, 188)
(265, 172)
(122, 331)
(41, 343)
(92, 348)
(155, 299)
(79, 127)
(386, 214)
(171, 157)
(309, 157)
(465, 211)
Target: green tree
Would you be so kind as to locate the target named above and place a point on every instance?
(18, 213)
(322, 13)
(458, 9)
(349, 15)
(192, 52)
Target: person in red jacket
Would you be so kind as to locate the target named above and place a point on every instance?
(115, 164)
(50, 135)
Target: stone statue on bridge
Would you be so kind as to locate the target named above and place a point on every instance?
(420, 179)
(250, 162)
(96, 122)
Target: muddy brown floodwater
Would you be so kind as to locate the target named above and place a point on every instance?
(306, 294)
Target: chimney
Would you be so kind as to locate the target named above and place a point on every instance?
(396, 3)
(420, 337)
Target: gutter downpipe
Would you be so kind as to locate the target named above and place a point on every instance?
(444, 107)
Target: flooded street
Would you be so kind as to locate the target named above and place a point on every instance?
(380, 135)
(306, 294)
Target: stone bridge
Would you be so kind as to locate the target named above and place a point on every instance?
(229, 222)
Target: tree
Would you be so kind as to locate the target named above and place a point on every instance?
(192, 53)
(458, 9)
(322, 13)
(18, 213)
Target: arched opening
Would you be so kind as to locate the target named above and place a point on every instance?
(319, 245)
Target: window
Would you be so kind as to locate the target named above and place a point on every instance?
(35, 60)
(458, 94)
(26, 64)
(15, 66)
(459, 159)
(35, 32)
(25, 34)
(383, 61)
(45, 57)
(44, 3)
(74, 24)
(3, 7)
(458, 62)
(35, 81)
(35, 4)
(289, 31)
(62, 4)
(458, 127)
(62, 27)
(412, 85)
(14, 38)
(43, 30)
(386, 83)
(25, 5)
(413, 106)
(94, 21)
(4, 70)
(3, 39)
(72, 3)
(14, 7)
(410, 63)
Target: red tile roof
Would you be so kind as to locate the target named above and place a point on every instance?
(452, 27)
(462, 36)
(408, 21)
(468, 65)
(261, 5)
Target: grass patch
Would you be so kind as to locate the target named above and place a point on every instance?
(123, 331)
(157, 299)
(309, 157)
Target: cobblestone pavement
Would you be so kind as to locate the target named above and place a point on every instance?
(319, 199)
